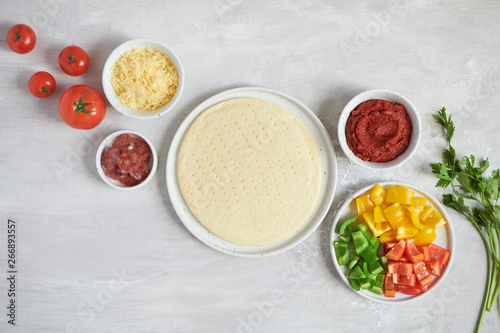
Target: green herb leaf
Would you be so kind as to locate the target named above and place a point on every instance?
(446, 122)
(493, 186)
(484, 193)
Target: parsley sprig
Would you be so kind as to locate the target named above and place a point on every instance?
(468, 183)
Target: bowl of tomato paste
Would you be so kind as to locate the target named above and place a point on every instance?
(379, 129)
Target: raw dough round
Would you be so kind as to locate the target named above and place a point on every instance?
(249, 171)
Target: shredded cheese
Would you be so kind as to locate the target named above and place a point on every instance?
(144, 79)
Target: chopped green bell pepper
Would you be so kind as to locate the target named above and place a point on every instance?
(341, 252)
(346, 223)
(375, 268)
(369, 256)
(353, 259)
(368, 234)
(383, 262)
(347, 238)
(356, 273)
(367, 272)
(354, 284)
(365, 283)
(360, 241)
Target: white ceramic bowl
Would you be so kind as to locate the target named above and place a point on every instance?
(110, 93)
(444, 238)
(390, 96)
(108, 142)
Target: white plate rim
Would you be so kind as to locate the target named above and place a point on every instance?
(444, 233)
(327, 158)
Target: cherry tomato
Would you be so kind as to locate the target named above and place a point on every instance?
(82, 107)
(21, 38)
(73, 60)
(42, 84)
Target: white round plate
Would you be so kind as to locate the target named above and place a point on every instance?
(328, 167)
(444, 239)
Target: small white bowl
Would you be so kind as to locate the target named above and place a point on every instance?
(110, 92)
(390, 96)
(445, 239)
(108, 142)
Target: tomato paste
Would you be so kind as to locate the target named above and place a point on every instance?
(378, 130)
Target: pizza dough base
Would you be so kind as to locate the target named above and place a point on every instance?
(249, 171)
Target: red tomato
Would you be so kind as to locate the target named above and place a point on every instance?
(42, 84)
(21, 38)
(82, 107)
(73, 60)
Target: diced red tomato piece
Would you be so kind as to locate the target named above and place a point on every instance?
(397, 251)
(420, 270)
(388, 246)
(409, 291)
(425, 251)
(402, 268)
(412, 252)
(434, 267)
(401, 280)
(436, 252)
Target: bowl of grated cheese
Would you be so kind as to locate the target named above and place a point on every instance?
(143, 79)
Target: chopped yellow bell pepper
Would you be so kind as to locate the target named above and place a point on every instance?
(364, 204)
(378, 215)
(376, 228)
(407, 230)
(399, 194)
(388, 236)
(419, 201)
(428, 210)
(426, 236)
(414, 212)
(434, 220)
(378, 195)
(395, 214)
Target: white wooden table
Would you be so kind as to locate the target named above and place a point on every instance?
(94, 259)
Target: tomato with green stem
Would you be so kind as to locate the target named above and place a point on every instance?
(42, 84)
(73, 60)
(21, 38)
(82, 107)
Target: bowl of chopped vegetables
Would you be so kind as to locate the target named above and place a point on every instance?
(392, 242)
